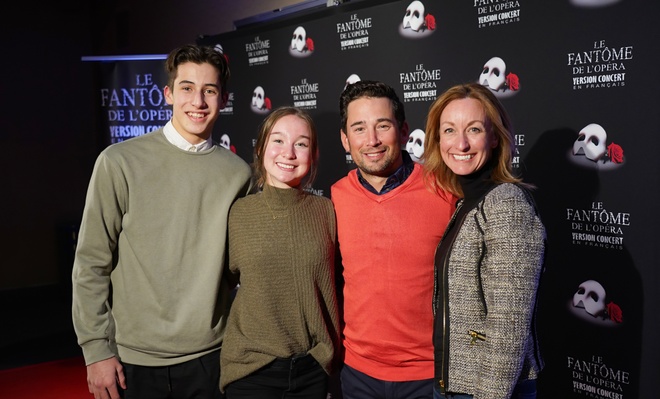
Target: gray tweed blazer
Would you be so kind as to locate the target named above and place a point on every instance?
(490, 282)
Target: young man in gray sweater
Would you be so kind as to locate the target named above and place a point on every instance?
(150, 296)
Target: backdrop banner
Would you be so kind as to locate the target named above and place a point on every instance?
(130, 97)
(574, 76)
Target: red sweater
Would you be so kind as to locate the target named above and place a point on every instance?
(388, 245)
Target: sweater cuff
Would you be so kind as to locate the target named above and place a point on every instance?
(97, 350)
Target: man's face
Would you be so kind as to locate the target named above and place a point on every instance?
(373, 137)
(196, 99)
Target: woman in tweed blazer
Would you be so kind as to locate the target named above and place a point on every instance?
(489, 261)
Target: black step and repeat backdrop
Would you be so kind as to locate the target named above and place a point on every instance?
(579, 78)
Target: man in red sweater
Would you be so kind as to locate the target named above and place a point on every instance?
(389, 224)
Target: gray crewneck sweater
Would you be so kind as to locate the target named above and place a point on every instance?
(154, 229)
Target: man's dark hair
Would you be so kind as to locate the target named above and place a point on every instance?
(198, 55)
(370, 89)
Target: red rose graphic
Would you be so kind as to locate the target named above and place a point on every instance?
(430, 22)
(512, 81)
(615, 153)
(615, 313)
(310, 44)
(267, 103)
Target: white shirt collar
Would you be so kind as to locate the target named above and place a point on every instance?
(176, 139)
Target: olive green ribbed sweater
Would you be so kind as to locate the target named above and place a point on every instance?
(282, 242)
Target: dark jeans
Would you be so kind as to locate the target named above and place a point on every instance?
(357, 385)
(195, 379)
(297, 377)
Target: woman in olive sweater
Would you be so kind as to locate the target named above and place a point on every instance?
(282, 333)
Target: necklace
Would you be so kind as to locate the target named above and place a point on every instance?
(267, 191)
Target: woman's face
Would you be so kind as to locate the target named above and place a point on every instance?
(287, 157)
(466, 136)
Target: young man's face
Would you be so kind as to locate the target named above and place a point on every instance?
(196, 99)
(373, 137)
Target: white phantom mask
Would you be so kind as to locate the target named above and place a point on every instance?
(258, 97)
(224, 141)
(299, 38)
(415, 144)
(493, 74)
(590, 296)
(414, 17)
(591, 141)
(351, 79)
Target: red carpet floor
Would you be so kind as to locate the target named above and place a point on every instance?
(60, 379)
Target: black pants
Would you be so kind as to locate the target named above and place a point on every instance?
(296, 377)
(195, 379)
(357, 385)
